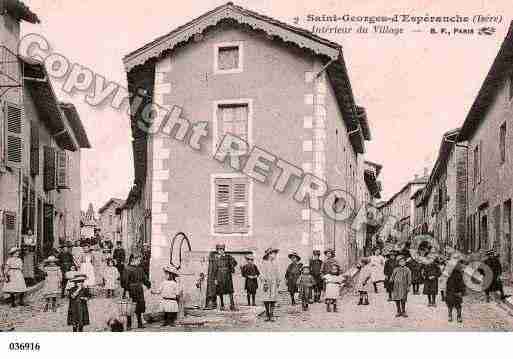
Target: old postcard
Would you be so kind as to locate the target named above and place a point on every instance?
(211, 166)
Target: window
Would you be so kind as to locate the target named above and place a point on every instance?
(110, 220)
(231, 204)
(228, 58)
(477, 164)
(502, 142)
(232, 117)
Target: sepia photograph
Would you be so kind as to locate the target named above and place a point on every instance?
(255, 166)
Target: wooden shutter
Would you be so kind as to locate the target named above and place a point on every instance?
(223, 197)
(240, 195)
(34, 149)
(50, 169)
(63, 163)
(13, 116)
(48, 230)
(10, 232)
(32, 211)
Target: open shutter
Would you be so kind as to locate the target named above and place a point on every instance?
(34, 149)
(10, 232)
(240, 196)
(50, 169)
(223, 201)
(13, 116)
(62, 169)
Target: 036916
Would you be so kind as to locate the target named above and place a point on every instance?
(28, 346)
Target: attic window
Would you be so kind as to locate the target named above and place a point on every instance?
(228, 58)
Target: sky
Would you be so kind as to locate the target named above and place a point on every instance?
(415, 86)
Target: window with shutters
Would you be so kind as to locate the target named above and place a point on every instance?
(10, 235)
(13, 135)
(50, 169)
(34, 149)
(63, 169)
(228, 58)
(232, 117)
(231, 205)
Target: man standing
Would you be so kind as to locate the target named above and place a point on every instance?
(66, 260)
(223, 269)
(315, 270)
(119, 255)
(493, 262)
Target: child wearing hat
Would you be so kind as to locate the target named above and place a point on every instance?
(305, 284)
(364, 278)
(333, 282)
(15, 284)
(52, 285)
(315, 270)
(171, 292)
(78, 313)
(250, 272)
(111, 277)
(270, 279)
(401, 281)
(292, 275)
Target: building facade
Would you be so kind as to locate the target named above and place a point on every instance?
(291, 98)
(109, 219)
(487, 130)
(40, 148)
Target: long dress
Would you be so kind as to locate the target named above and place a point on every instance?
(250, 270)
(416, 271)
(111, 277)
(52, 285)
(364, 278)
(87, 268)
(377, 268)
(270, 279)
(401, 279)
(291, 275)
(390, 265)
(78, 313)
(16, 283)
(333, 283)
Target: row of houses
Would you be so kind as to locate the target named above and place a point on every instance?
(278, 87)
(41, 139)
(465, 203)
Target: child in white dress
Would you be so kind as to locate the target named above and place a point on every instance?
(171, 292)
(333, 282)
(111, 278)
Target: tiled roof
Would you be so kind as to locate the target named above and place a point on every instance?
(76, 124)
(117, 202)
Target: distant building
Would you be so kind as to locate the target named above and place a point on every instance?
(488, 131)
(88, 223)
(40, 148)
(110, 220)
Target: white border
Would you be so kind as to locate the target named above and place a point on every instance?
(240, 68)
(213, 176)
(239, 101)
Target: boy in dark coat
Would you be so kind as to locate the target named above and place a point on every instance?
(119, 257)
(315, 271)
(223, 269)
(78, 313)
(401, 279)
(416, 274)
(250, 272)
(390, 265)
(431, 273)
(292, 275)
(455, 290)
(305, 284)
(135, 278)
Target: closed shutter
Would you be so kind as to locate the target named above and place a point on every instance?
(63, 163)
(240, 205)
(48, 230)
(13, 116)
(222, 205)
(34, 149)
(32, 211)
(50, 169)
(10, 232)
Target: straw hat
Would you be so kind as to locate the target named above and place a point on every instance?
(294, 254)
(13, 250)
(51, 259)
(329, 250)
(79, 278)
(170, 269)
(250, 257)
(269, 251)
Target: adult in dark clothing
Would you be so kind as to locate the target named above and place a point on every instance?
(119, 256)
(78, 313)
(430, 273)
(146, 258)
(493, 262)
(66, 261)
(390, 264)
(224, 267)
(454, 292)
(315, 271)
(135, 278)
(292, 275)
(416, 274)
(250, 273)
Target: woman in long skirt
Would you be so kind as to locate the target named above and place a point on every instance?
(270, 279)
(13, 272)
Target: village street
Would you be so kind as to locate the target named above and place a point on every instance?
(378, 316)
